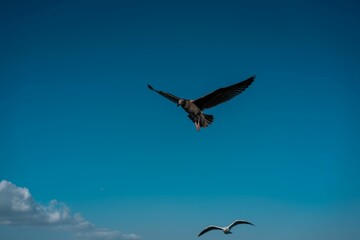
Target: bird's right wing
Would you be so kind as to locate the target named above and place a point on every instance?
(209, 228)
(222, 94)
(169, 96)
(239, 222)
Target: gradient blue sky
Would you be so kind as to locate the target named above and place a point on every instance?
(78, 124)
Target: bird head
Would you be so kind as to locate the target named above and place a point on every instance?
(181, 102)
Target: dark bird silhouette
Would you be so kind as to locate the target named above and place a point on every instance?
(226, 230)
(195, 108)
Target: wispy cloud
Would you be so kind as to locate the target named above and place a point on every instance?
(18, 207)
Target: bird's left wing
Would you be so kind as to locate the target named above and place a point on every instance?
(223, 94)
(169, 96)
(236, 222)
(209, 228)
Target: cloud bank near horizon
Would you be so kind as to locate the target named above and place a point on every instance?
(18, 207)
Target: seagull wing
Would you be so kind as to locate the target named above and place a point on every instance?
(169, 96)
(209, 228)
(223, 94)
(236, 222)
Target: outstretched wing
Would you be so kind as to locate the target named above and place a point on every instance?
(169, 96)
(209, 228)
(223, 94)
(239, 222)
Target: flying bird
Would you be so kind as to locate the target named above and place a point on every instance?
(195, 108)
(226, 230)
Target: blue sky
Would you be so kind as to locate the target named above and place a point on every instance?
(79, 125)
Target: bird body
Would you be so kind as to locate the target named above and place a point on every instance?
(195, 108)
(226, 230)
(195, 114)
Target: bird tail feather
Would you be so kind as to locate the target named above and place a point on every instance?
(203, 121)
(206, 120)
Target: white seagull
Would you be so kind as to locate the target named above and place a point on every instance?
(226, 230)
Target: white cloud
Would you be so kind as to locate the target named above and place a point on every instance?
(18, 207)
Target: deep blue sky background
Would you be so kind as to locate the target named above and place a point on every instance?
(78, 124)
